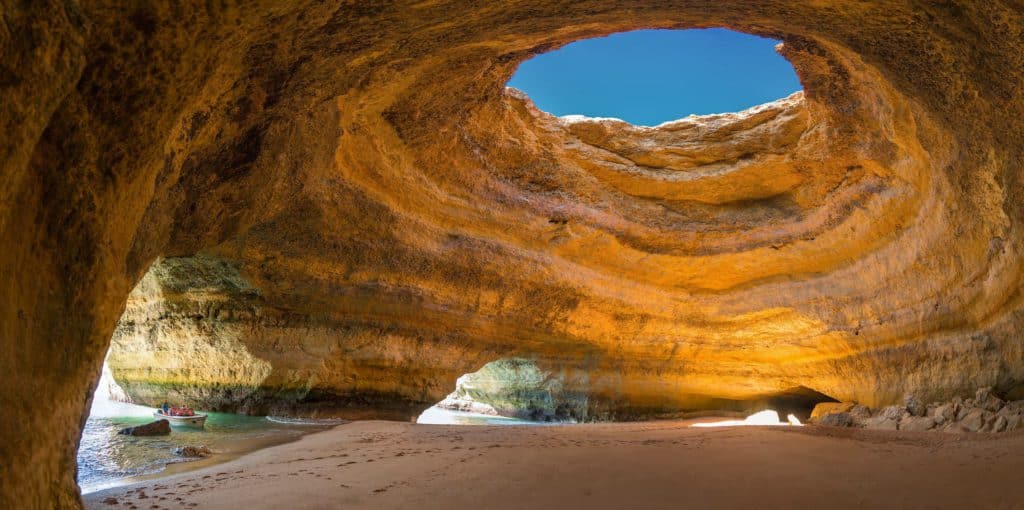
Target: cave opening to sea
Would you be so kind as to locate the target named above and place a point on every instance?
(527, 391)
(510, 391)
(649, 77)
(180, 342)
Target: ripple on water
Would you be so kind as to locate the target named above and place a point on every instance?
(108, 459)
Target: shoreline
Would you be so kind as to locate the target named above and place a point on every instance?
(225, 448)
(378, 464)
(188, 464)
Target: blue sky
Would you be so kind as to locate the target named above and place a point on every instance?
(648, 77)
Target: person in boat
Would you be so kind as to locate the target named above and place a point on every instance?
(182, 411)
(166, 408)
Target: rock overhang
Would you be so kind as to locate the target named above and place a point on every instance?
(442, 224)
(732, 255)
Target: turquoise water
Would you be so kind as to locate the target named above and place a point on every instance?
(107, 459)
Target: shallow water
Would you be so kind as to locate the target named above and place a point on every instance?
(107, 459)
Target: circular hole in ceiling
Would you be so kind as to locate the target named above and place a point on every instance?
(647, 77)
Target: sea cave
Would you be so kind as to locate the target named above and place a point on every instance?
(321, 222)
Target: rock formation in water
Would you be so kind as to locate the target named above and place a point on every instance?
(156, 428)
(401, 219)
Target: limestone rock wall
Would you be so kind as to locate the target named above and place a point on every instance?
(366, 171)
(196, 332)
(183, 336)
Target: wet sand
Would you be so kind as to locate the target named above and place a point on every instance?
(380, 465)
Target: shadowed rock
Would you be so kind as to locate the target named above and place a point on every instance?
(156, 428)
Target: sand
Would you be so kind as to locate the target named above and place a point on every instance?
(380, 465)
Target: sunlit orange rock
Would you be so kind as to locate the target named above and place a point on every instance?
(405, 219)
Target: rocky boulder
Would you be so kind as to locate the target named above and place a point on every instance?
(984, 399)
(914, 406)
(1013, 422)
(917, 423)
(945, 413)
(193, 451)
(881, 423)
(836, 420)
(894, 413)
(157, 428)
(826, 408)
(985, 412)
(974, 421)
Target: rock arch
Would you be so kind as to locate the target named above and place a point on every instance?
(365, 167)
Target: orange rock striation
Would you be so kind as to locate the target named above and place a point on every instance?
(404, 218)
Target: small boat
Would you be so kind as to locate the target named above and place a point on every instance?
(195, 420)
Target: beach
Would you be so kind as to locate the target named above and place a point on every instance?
(665, 464)
(108, 459)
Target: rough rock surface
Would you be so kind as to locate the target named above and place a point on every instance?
(156, 428)
(363, 167)
(983, 413)
(827, 408)
(840, 419)
(917, 423)
(200, 451)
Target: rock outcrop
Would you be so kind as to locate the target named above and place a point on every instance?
(156, 428)
(402, 219)
(984, 413)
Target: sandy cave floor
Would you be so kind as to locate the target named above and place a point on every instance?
(378, 464)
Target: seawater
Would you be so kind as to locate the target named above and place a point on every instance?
(108, 459)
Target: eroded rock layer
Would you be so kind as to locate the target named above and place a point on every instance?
(404, 219)
(195, 331)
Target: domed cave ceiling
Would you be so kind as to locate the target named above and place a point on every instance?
(343, 209)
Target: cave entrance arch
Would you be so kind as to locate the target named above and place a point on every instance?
(512, 391)
(518, 390)
(189, 335)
